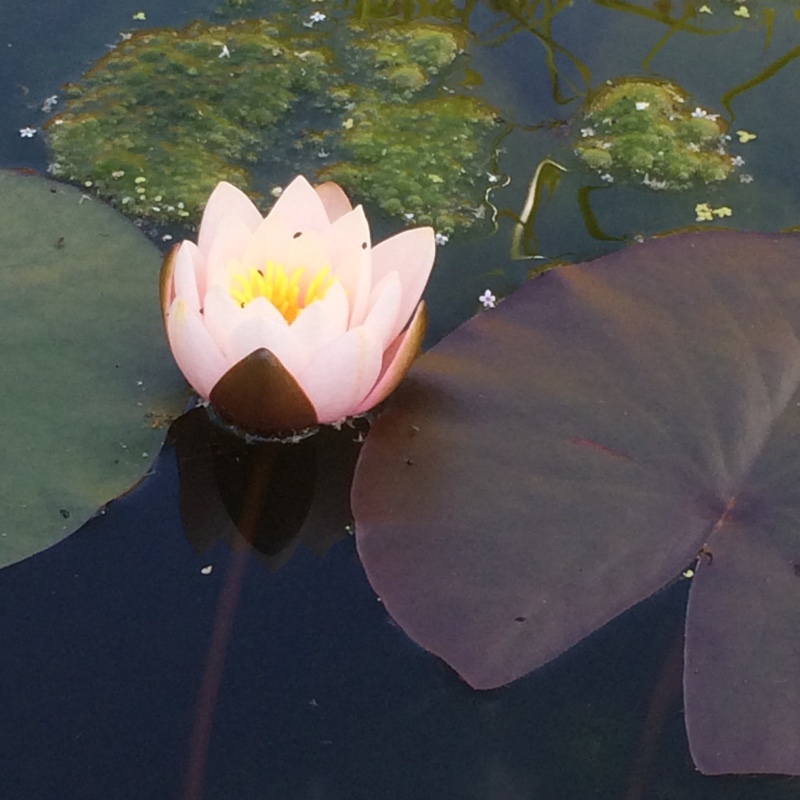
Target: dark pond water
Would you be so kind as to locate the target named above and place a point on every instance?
(121, 647)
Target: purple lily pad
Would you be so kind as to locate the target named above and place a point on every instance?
(555, 461)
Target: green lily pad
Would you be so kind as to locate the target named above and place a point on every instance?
(88, 382)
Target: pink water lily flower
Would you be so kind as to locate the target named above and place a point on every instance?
(295, 319)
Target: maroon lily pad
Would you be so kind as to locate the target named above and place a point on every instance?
(559, 459)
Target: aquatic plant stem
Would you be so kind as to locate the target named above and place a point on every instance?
(223, 626)
(667, 692)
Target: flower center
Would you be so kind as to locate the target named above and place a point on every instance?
(281, 288)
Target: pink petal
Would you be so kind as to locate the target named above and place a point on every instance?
(384, 307)
(259, 331)
(323, 321)
(261, 307)
(334, 199)
(340, 376)
(300, 207)
(275, 242)
(229, 243)
(226, 201)
(347, 243)
(397, 360)
(269, 242)
(185, 274)
(199, 358)
(222, 315)
(411, 254)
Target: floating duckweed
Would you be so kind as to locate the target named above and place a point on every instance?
(141, 108)
(272, 95)
(396, 158)
(407, 78)
(403, 58)
(645, 131)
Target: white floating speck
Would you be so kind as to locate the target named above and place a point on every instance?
(50, 103)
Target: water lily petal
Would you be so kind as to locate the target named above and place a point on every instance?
(226, 202)
(229, 244)
(360, 302)
(338, 377)
(270, 230)
(334, 199)
(257, 332)
(185, 275)
(259, 395)
(411, 254)
(166, 284)
(197, 354)
(261, 307)
(348, 244)
(384, 307)
(323, 321)
(291, 249)
(299, 207)
(397, 360)
(222, 315)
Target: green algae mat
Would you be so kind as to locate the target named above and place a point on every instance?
(647, 131)
(167, 113)
(88, 381)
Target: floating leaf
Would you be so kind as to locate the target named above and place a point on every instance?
(88, 381)
(555, 461)
(543, 185)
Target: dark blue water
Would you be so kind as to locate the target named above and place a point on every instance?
(106, 636)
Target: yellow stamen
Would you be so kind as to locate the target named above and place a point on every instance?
(280, 288)
(318, 286)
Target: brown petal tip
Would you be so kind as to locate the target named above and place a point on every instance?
(261, 397)
(165, 280)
